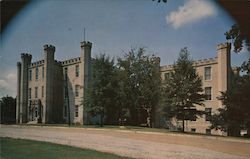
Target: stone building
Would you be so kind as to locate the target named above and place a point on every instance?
(46, 89)
(215, 74)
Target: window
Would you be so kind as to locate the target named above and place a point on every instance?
(65, 73)
(193, 130)
(65, 110)
(30, 75)
(76, 90)
(36, 112)
(167, 75)
(76, 110)
(208, 131)
(65, 92)
(77, 70)
(42, 91)
(208, 93)
(36, 73)
(42, 72)
(29, 93)
(36, 92)
(207, 73)
(208, 114)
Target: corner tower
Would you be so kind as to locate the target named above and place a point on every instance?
(86, 71)
(224, 66)
(49, 52)
(23, 87)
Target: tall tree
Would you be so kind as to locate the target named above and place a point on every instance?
(183, 91)
(235, 115)
(100, 95)
(8, 109)
(142, 89)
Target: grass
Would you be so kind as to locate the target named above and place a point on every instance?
(28, 149)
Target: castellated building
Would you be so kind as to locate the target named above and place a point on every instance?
(46, 89)
(215, 74)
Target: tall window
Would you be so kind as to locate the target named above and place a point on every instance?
(76, 110)
(36, 92)
(167, 75)
(65, 73)
(36, 73)
(208, 114)
(208, 93)
(77, 70)
(207, 73)
(42, 72)
(76, 90)
(65, 111)
(30, 74)
(29, 93)
(42, 91)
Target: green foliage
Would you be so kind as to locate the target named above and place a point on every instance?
(101, 93)
(140, 83)
(27, 149)
(238, 39)
(235, 114)
(8, 109)
(182, 90)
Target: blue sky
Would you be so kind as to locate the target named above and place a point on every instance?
(114, 27)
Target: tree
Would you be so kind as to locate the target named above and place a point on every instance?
(8, 109)
(141, 84)
(235, 115)
(182, 91)
(100, 95)
(238, 38)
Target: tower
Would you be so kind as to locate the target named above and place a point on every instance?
(224, 66)
(23, 86)
(49, 52)
(18, 92)
(86, 73)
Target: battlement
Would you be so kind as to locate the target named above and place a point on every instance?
(195, 63)
(71, 61)
(86, 43)
(37, 63)
(223, 45)
(49, 48)
(26, 55)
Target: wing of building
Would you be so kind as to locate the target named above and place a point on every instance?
(46, 89)
(215, 74)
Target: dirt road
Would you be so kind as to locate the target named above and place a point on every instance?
(136, 144)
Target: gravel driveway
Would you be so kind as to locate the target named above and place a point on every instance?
(135, 144)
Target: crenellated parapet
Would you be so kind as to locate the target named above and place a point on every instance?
(49, 48)
(26, 56)
(71, 61)
(223, 45)
(86, 43)
(36, 64)
(197, 63)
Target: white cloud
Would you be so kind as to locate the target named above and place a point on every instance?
(191, 11)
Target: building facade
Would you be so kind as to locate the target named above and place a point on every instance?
(47, 89)
(215, 74)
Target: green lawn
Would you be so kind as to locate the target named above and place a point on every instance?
(28, 149)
